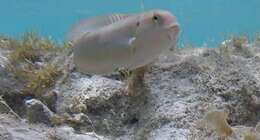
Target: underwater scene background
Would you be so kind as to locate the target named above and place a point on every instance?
(202, 21)
(51, 89)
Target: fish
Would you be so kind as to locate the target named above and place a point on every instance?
(104, 44)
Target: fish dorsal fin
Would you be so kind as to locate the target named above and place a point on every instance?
(92, 24)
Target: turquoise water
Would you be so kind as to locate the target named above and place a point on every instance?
(202, 21)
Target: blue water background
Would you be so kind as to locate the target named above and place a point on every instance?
(202, 21)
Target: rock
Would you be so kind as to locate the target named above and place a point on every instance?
(8, 85)
(50, 99)
(68, 133)
(179, 89)
(81, 118)
(179, 93)
(12, 129)
(168, 132)
(3, 107)
(37, 112)
(86, 92)
(103, 100)
(4, 134)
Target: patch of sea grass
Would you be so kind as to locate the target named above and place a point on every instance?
(38, 80)
(30, 47)
(239, 41)
(6, 42)
(31, 62)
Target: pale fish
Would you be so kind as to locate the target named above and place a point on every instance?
(108, 43)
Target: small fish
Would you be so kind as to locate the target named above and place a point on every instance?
(104, 44)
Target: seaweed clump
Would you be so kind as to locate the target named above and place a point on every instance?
(41, 79)
(31, 62)
(236, 45)
(239, 41)
(29, 48)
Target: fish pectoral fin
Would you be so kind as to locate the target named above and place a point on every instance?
(131, 40)
(131, 44)
(128, 43)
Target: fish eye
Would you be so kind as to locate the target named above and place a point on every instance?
(138, 24)
(155, 18)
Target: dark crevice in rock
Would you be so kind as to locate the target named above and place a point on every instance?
(16, 102)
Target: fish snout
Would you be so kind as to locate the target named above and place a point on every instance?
(170, 23)
(169, 19)
(172, 27)
(173, 31)
(175, 28)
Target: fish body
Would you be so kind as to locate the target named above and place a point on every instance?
(108, 43)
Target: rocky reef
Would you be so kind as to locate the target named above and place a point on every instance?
(187, 94)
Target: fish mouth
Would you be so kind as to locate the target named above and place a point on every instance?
(173, 31)
(174, 27)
